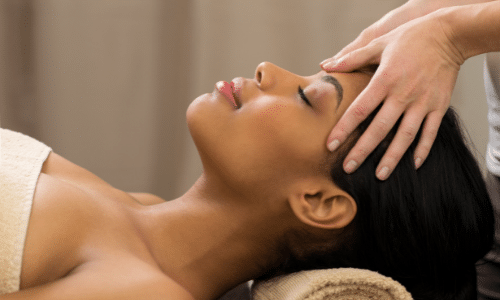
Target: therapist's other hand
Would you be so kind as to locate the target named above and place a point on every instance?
(418, 68)
(409, 11)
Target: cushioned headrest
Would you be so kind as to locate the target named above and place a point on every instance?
(332, 284)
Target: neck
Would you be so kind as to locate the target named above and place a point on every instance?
(207, 245)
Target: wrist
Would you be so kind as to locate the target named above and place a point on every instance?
(440, 24)
(472, 29)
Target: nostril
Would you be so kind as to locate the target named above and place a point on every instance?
(259, 72)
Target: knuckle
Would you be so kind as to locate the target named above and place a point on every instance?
(432, 132)
(363, 152)
(341, 130)
(425, 144)
(409, 132)
(424, 148)
(381, 127)
(360, 112)
(366, 34)
(392, 158)
(376, 41)
(430, 136)
(383, 80)
(402, 101)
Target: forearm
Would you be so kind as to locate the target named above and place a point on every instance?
(433, 5)
(449, 3)
(473, 29)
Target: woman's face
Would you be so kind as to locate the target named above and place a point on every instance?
(273, 138)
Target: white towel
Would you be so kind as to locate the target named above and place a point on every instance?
(331, 284)
(22, 158)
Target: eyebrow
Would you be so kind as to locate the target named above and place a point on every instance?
(338, 87)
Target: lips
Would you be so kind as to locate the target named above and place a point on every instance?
(226, 89)
(237, 85)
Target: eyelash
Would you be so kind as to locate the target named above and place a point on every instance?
(303, 96)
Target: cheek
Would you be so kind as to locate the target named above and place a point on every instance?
(272, 112)
(272, 118)
(272, 122)
(283, 131)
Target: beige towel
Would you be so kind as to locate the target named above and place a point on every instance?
(22, 158)
(331, 284)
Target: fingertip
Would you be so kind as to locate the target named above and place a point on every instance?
(325, 61)
(333, 145)
(418, 162)
(329, 65)
(383, 173)
(350, 167)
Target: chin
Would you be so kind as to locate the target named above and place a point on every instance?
(194, 120)
(199, 115)
(203, 126)
(194, 109)
(207, 122)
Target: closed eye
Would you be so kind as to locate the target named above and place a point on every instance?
(303, 96)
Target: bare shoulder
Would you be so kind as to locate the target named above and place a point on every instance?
(146, 198)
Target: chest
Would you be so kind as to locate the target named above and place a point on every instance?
(71, 224)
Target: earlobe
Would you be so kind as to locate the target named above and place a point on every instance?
(332, 210)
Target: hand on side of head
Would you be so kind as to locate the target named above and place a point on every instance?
(418, 68)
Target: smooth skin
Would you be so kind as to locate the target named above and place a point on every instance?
(419, 48)
(89, 240)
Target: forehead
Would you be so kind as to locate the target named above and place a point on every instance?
(352, 79)
(352, 83)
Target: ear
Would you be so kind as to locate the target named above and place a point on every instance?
(323, 206)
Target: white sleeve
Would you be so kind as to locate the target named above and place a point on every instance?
(492, 88)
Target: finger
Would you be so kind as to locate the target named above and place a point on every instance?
(353, 60)
(359, 109)
(405, 135)
(363, 39)
(373, 135)
(427, 138)
(354, 45)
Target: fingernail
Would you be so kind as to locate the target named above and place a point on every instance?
(321, 63)
(382, 174)
(330, 64)
(333, 145)
(351, 166)
(418, 162)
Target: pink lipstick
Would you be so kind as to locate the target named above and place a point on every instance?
(226, 89)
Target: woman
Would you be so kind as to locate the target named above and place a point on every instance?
(271, 199)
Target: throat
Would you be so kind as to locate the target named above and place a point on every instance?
(205, 247)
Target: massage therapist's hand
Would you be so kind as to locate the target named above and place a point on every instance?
(418, 68)
(409, 11)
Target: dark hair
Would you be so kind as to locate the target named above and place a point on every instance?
(425, 228)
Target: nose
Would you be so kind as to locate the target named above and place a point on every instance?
(262, 73)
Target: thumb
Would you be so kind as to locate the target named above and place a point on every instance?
(354, 60)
